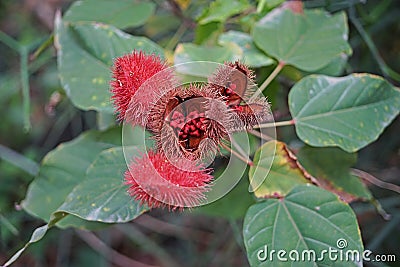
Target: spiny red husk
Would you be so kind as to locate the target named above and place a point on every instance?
(129, 73)
(210, 109)
(236, 83)
(155, 181)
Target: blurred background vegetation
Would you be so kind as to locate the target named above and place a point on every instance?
(159, 237)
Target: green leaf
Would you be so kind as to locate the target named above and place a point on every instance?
(251, 142)
(307, 41)
(102, 195)
(275, 171)
(64, 168)
(331, 166)
(73, 221)
(268, 4)
(207, 34)
(308, 218)
(252, 56)
(105, 120)
(187, 52)
(85, 54)
(335, 67)
(121, 14)
(220, 10)
(70, 189)
(349, 112)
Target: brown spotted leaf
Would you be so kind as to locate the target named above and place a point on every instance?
(276, 171)
(331, 167)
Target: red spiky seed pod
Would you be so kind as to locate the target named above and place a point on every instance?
(235, 82)
(156, 182)
(184, 117)
(129, 73)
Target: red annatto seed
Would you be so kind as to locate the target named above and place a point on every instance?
(196, 133)
(192, 127)
(239, 108)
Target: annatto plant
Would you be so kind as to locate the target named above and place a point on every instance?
(177, 116)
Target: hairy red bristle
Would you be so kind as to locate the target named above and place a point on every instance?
(129, 72)
(155, 181)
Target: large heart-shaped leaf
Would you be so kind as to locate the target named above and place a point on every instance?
(349, 112)
(64, 168)
(85, 52)
(335, 67)
(275, 171)
(252, 56)
(306, 224)
(121, 13)
(307, 41)
(83, 172)
(331, 166)
(102, 195)
(70, 190)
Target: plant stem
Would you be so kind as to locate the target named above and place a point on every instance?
(48, 42)
(7, 224)
(387, 71)
(170, 229)
(10, 42)
(275, 124)
(23, 52)
(19, 160)
(260, 135)
(242, 158)
(110, 254)
(147, 244)
(177, 11)
(177, 36)
(270, 78)
(375, 181)
(26, 101)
